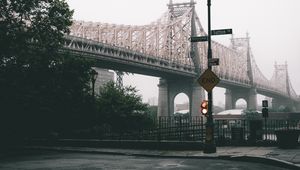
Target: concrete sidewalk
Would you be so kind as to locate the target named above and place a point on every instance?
(270, 155)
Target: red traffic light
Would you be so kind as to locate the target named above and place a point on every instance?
(204, 107)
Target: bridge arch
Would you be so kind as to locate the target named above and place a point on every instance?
(176, 88)
(181, 103)
(233, 95)
(241, 103)
(169, 88)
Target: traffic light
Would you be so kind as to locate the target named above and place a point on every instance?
(265, 103)
(265, 111)
(204, 107)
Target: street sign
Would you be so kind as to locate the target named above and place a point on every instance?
(208, 80)
(199, 39)
(221, 31)
(213, 32)
(213, 62)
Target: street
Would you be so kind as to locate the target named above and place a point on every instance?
(70, 161)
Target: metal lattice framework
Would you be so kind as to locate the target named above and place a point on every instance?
(280, 79)
(163, 38)
(167, 40)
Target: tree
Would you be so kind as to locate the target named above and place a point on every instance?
(41, 89)
(121, 108)
(32, 31)
(153, 112)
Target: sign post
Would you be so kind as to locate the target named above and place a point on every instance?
(210, 146)
(208, 80)
(265, 112)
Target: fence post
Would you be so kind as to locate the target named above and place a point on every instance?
(202, 129)
(180, 128)
(265, 130)
(159, 128)
(218, 129)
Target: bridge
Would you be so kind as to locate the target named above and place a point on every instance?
(163, 49)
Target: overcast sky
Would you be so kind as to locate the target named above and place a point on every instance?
(273, 26)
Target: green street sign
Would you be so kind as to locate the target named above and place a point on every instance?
(213, 62)
(199, 39)
(221, 32)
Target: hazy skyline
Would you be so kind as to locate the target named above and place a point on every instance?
(273, 26)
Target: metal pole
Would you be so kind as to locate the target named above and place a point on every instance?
(266, 133)
(209, 146)
(93, 88)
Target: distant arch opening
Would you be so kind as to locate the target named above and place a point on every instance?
(181, 104)
(241, 104)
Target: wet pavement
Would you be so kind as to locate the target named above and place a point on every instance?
(54, 159)
(267, 155)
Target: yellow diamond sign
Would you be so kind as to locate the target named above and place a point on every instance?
(208, 80)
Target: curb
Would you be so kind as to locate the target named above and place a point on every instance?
(243, 158)
(266, 160)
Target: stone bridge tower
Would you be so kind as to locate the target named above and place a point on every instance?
(281, 77)
(170, 87)
(249, 95)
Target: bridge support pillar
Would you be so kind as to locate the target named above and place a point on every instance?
(168, 90)
(252, 99)
(228, 100)
(163, 103)
(197, 96)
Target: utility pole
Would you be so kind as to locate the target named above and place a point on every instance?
(210, 146)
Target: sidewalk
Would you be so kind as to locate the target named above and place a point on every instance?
(268, 155)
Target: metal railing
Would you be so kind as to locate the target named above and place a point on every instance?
(226, 132)
(251, 131)
(182, 128)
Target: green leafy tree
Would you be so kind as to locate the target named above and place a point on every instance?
(153, 112)
(32, 31)
(122, 108)
(41, 89)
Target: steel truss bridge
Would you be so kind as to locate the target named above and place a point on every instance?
(162, 48)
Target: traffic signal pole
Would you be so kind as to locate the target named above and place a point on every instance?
(209, 146)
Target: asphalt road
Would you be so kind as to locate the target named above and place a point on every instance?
(84, 161)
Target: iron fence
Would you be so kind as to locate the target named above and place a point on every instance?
(251, 131)
(226, 132)
(181, 128)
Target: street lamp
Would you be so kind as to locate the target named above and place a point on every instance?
(94, 74)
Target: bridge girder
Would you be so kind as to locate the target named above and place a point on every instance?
(164, 45)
